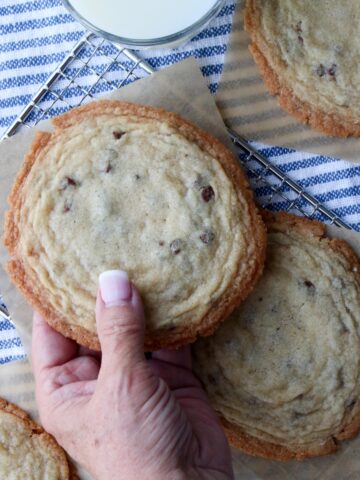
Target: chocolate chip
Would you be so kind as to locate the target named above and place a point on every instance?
(161, 243)
(332, 70)
(137, 177)
(321, 70)
(67, 207)
(310, 287)
(107, 160)
(207, 193)
(175, 246)
(298, 27)
(207, 236)
(117, 134)
(68, 182)
(71, 181)
(260, 299)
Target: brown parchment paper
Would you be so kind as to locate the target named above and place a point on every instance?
(170, 89)
(247, 107)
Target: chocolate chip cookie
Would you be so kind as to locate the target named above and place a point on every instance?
(283, 370)
(308, 53)
(27, 451)
(125, 186)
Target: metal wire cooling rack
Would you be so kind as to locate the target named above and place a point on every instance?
(108, 67)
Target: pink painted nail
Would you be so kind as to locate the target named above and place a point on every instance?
(115, 287)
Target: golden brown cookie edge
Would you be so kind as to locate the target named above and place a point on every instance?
(251, 445)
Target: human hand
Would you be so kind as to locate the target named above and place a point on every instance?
(124, 417)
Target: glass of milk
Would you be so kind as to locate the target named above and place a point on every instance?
(145, 23)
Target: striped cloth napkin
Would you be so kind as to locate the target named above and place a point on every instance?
(35, 36)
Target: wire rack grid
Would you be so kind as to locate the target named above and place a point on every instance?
(96, 66)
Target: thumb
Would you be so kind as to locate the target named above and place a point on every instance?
(120, 323)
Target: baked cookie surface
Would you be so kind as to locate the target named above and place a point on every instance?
(283, 371)
(26, 450)
(124, 186)
(308, 53)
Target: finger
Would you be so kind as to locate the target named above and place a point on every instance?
(120, 323)
(84, 351)
(175, 377)
(49, 348)
(66, 379)
(180, 357)
(77, 390)
(78, 369)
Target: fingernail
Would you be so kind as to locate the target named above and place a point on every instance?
(115, 287)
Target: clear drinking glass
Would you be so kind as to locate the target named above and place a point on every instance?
(172, 40)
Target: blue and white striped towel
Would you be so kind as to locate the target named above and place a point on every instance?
(35, 36)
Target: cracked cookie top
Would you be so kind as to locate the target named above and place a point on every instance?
(122, 186)
(283, 369)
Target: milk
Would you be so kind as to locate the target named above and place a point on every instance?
(142, 19)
